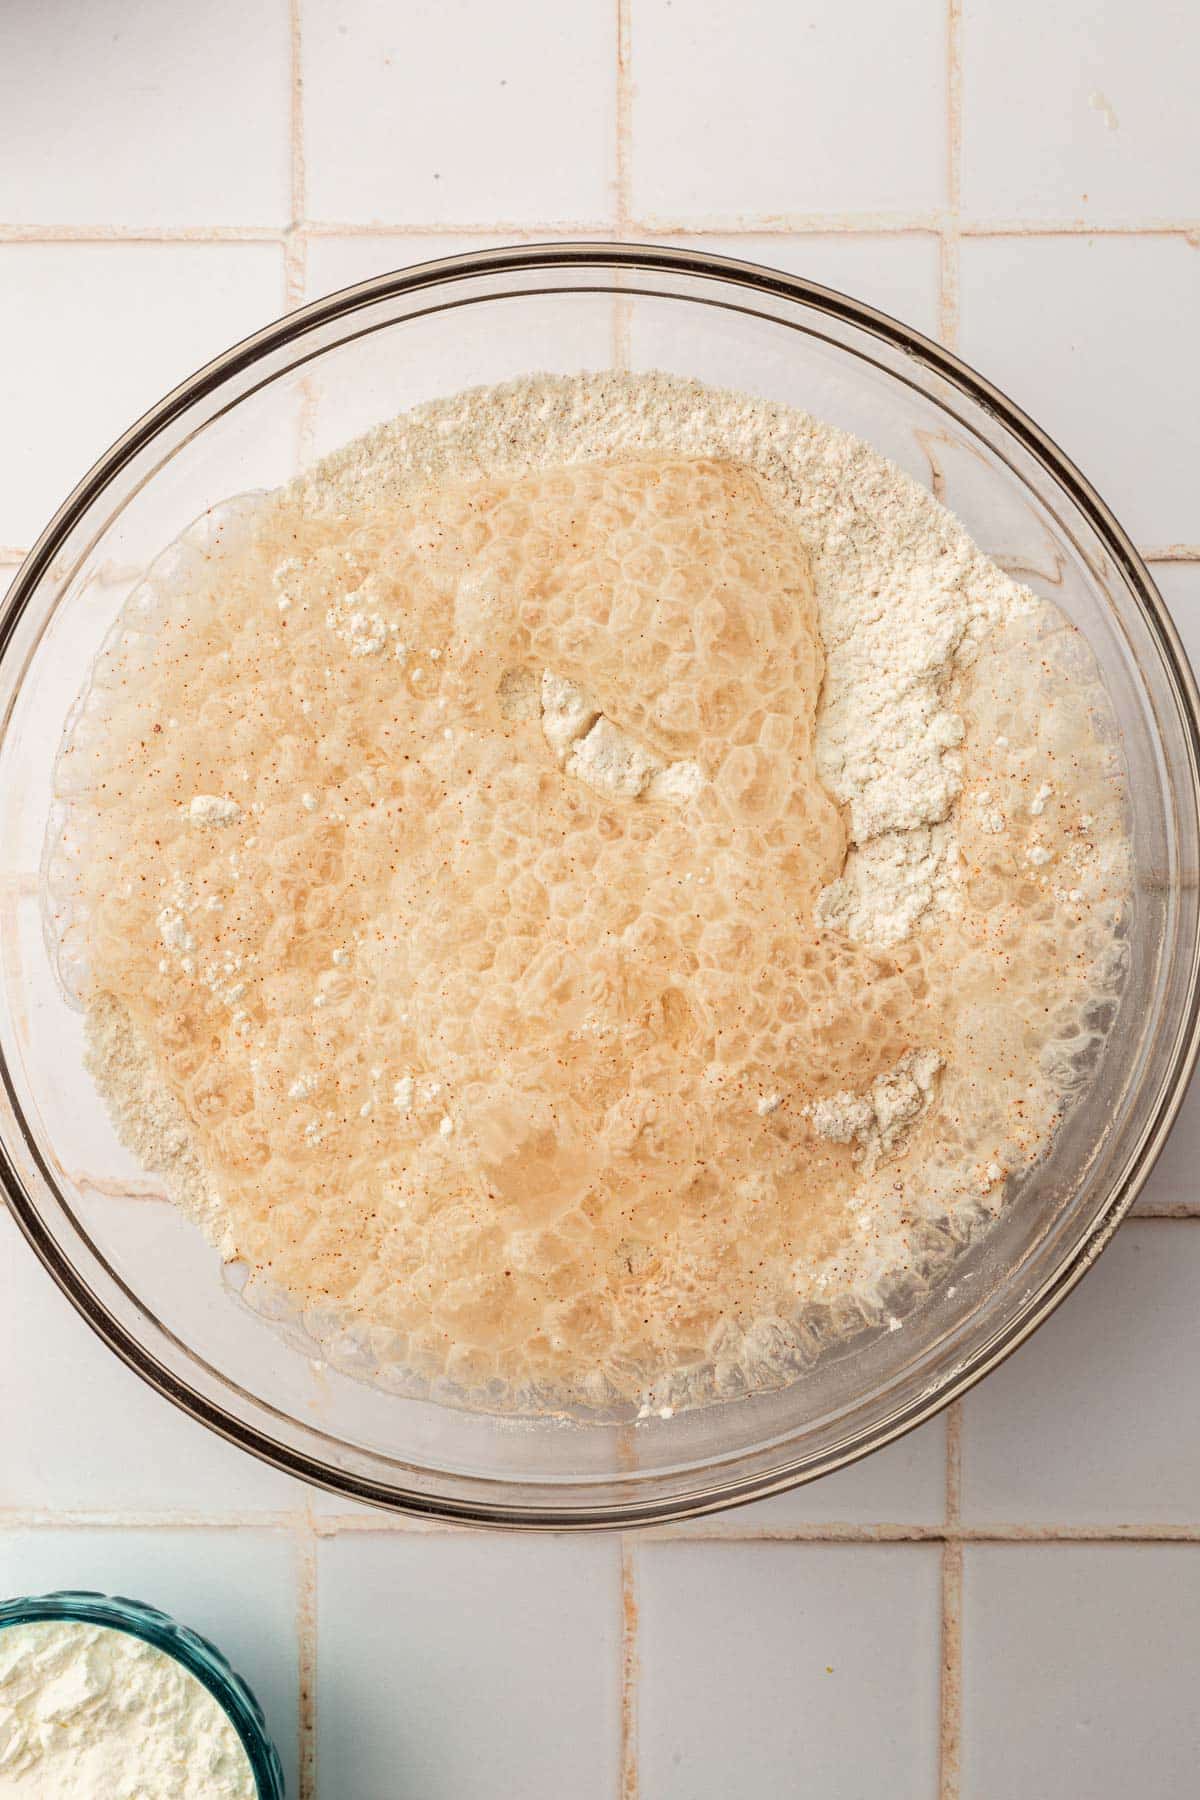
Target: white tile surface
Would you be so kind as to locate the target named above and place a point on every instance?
(1098, 124)
(128, 114)
(338, 262)
(1096, 337)
(756, 110)
(1078, 1671)
(1097, 1419)
(904, 1484)
(897, 273)
(493, 1666)
(462, 113)
(104, 330)
(773, 1669)
(82, 1433)
(236, 1588)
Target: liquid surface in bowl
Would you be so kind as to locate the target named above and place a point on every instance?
(498, 918)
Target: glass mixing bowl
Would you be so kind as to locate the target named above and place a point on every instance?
(143, 1277)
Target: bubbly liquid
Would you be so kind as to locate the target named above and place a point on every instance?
(457, 863)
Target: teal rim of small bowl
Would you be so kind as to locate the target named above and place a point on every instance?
(196, 1654)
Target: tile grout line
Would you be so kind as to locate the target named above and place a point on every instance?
(628, 1773)
(523, 229)
(727, 1530)
(295, 252)
(948, 272)
(934, 223)
(928, 224)
(142, 234)
(950, 1699)
(1051, 228)
(628, 1670)
(18, 1518)
(622, 197)
(792, 225)
(931, 1534)
(950, 1668)
(724, 1530)
(306, 1647)
(624, 118)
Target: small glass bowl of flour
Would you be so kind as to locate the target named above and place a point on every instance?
(102, 1697)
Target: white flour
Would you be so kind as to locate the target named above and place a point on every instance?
(90, 1713)
(881, 1118)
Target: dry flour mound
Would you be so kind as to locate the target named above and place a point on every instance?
(88, 1712)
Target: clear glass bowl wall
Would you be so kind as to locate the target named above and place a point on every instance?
(144, 1278)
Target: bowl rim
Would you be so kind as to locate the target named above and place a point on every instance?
(765, 282)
